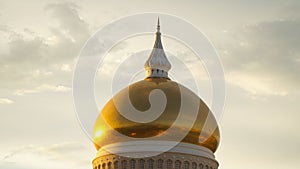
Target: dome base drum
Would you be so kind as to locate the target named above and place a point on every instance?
(138, 155)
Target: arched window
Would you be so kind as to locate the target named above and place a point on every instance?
(116, 165)
(206, 167)
(99, 166)
(150, 164)
(194, 165)
(169, 164)
(109, 165)
(200, 166)
(132, 164)
(177, 164)
(141, 164)
(160, 163)
(103, 166)
(186, 165)
(124, 164)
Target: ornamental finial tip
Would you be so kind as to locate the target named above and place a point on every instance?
(158, 25)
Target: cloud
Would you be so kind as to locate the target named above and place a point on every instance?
(43, 88)
(65, 68)
(6, 101)
(263, 59)
(255, 85)
(69, 19)
(62, 155)
(28, 57)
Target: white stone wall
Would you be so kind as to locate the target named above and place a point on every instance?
(154, 155)
(166, 160)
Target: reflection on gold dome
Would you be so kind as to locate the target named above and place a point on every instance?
(204, 130)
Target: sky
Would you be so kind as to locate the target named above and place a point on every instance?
(257, 41)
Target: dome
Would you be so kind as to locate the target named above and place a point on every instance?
(139, 92)
(200, 129)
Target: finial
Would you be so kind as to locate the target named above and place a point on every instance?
(158, 26)
(157, 64)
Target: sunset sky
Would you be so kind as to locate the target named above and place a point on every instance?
(257, 41)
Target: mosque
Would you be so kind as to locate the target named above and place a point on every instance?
(165, 142)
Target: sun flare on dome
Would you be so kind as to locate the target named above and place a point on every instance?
(98, 133)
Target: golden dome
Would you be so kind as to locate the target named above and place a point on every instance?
(199, 128)
(204, 131)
